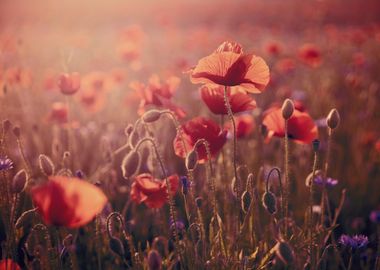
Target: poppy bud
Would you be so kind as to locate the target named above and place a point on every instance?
(246, 200)
(130, 164)
(6, 125)
(284, 252)
(287, 109)
(68, 240)
(154, 260)
(269, 202)
(25, 218)
(46, 165)
(19, 182)
(191, 160)
(17, 131)
(117, 246)
(151, 116)
(333, 119)
(69, 84)
(198, 202)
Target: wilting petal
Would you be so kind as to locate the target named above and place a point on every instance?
(68, 202)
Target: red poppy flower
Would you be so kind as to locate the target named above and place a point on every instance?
(8, 264)
(58, 113)
(245, 125)
(152, 192)
(68, 202)
(273, 48)
(229, 66)
(310, 54)
(200, 128)
(301, 127)
(69, 84)
(158, 94)
(213, 96)
(285, 65)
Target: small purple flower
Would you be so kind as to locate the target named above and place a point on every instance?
(375, 216)
(185, 184)
(5, 164)
(354, 242)
(330, 182)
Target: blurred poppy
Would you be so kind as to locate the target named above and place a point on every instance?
(8, 264)
(301, 127)
(200, 128)
(273, 48)
(58, 113)
(310, 54)
(158, 93)
(213, 96)
(152, 192)
(245, 125)
(69, 84)
(229, 66)
(92, 100)
(285, 65)
(68, 202)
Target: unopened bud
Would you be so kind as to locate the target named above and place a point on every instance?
(269, 202)
(316, 144)
(246, 200)
(154, 260)
(17, 131)
(284, 252)
(19, 182)
(151, 116)
(287, 109)
(46, 165)
(191, 160)
(333, 119)
(130, 164)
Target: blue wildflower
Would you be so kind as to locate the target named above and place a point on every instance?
(6, 164)
(354, 242)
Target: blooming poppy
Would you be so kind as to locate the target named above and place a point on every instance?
(301, 127)
(68, 202)
(8, 264)
(310, 54)
(200, 128)
(153, 192)
(229, 66)
(213, 96)
(69, 84)
(158, 93)
(244, 125)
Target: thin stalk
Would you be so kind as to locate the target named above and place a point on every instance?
(311, 210)
(287, 182)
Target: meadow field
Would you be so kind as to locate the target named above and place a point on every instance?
(189, 134)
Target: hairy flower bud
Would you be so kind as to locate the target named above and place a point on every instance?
(191, 160)
(154, 260)
(284, 252)
(19, 182)
(130, 164)
(46, 165)
(246, 200)
(333, 119)
(269, 202)
(287, 109)
(151, 116)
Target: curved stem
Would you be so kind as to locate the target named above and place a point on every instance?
(280, 181)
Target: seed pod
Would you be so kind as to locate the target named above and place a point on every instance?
(17, 131)
(130, 164)
(117, 246)
(284, 252)
(151, 116)
(333, 119)
(287, 109)
(269, 202)
(19, 182)
(154, 260)
(191, 160)
(25, 218)
(246, 200)
(316, 144)
(46, 165)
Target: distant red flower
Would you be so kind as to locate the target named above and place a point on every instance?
(8, 264)
(213, 96)
(310, 54)
(229, 66)
(69, 84)
(152, 192)
(68, 202)
(273, 48)
(58, 113)
(200, 128)
(245, 125)
(377, 146)
(158, 93)
(285, 65)
(301, 127)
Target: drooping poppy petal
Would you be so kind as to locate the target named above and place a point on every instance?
(245, 125)
(301, 127)
(213, 96)
(200, 128)
(68, 202)
(228, 66)
(153, 192)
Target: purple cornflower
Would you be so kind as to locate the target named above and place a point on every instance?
(185, 184)
(354, 242)
(5, 164)
(330, 182)
(375, 216)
